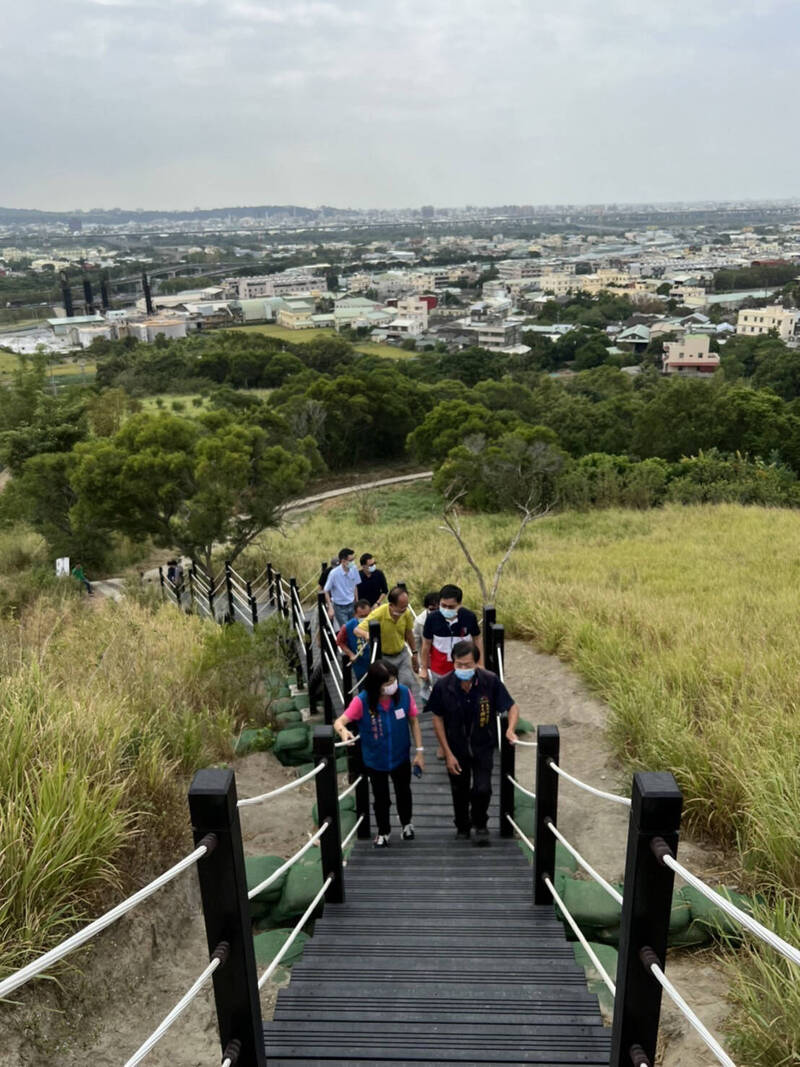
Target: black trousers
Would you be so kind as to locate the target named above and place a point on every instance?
(401, 779)
(472, 790)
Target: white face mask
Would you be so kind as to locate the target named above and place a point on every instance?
(372, 568)
(390, 689)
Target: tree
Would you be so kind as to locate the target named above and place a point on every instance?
(518, 472)
(190, 483)
(448, 425)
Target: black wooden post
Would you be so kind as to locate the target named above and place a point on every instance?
(498, 639)
(328, 811)
(322, 625)
(271, 585)
(279, 594)
(656, 804)
(161, 579)
(226, 910)
(375, 639)
(229, 590)
(312, 700)
(544, 858)
(489, 617)
(356, 769)
(251, 600)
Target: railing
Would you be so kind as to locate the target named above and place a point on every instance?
(654, 812)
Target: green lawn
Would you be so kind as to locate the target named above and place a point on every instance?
(9, 362)
(370, 348)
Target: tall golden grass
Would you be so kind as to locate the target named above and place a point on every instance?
(687, 622)
(105, 710)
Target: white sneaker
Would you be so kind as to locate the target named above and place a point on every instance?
(408, 832)
(381, 841)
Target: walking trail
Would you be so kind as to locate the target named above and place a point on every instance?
(138, 969)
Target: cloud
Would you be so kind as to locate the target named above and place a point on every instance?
(356, 102)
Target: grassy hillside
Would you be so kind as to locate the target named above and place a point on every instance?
(106, 710)
(685, 620)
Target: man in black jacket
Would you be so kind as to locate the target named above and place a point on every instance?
(371, 581)
(465, 706)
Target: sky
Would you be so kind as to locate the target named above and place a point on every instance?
(370, 103)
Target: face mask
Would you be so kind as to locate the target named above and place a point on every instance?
(346, 564)
(372, 567)
(449, 613)
(389, 689)
(465, 673)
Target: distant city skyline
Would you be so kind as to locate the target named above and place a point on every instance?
(356, 104)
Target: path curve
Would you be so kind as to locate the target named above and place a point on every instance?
(309, 501)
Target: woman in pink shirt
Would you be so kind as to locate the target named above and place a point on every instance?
(386, 712)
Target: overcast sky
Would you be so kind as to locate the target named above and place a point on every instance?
(370, 103)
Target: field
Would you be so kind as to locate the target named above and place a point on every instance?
(78, 372)
(685, 620)
(303, 336)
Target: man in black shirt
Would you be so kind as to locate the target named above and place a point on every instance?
(465, 705)
(372, 585)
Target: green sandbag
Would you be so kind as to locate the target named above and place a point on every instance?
(565, 861)
(257, 869)
(590, 905)
(269, 944)
(282, 706)
(300, 701)
(710, 917)
(608, 957)
(292, 739)
(302, 884)
(525, 727)
(304, 768)
(347, 804)
(285, 719)
(525, 818)
(254, 741)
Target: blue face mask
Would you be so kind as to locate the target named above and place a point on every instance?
(464, 674)
(449, 613)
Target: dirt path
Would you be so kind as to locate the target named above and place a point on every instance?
(548, 691)
(139, 969)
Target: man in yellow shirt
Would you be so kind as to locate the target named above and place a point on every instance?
(397, 631)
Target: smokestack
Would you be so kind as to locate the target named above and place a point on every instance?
(148, 300)
(104, 293)
(88, 299)
(69, 310)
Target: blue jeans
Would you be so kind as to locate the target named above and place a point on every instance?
(343, 612)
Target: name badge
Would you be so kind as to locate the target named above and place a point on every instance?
(399, 713)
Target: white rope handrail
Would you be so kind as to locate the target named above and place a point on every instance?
(339, 692)
(747, 921)
(332, 654)
(351, 788)
(25, 974)
(245, 802)
(289, 863)
(689, 1015)
(500, 667)
(373, 654)
(522, 834)
(612, 892)
(579, 934)
(349, 837)
(291, 938)
(347, 744)
(330, 628)
(521, 788)
(305, 585)
(220, 955)
(589, 788)
(527, 744)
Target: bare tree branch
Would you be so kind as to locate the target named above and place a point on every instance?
(527, 516)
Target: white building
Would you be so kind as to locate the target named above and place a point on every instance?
(690, 356)
(290, 283)
(411, 307)
(761, 320)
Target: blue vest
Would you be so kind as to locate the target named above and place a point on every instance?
(385, 740)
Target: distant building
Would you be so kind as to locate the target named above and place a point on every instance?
(62, 325)
(690, 356)
(559, 283)
(508, 269)
(295, 313)
(292, 283)
(762, 320)
(148, 329)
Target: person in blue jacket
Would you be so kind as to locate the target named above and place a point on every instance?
(386, 712)
(355, 648)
